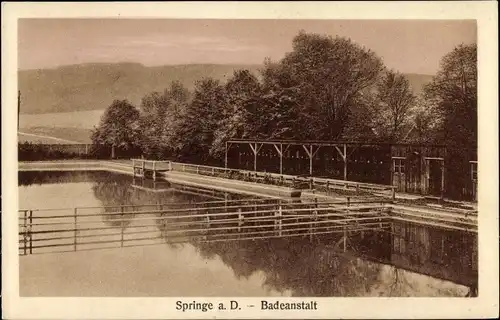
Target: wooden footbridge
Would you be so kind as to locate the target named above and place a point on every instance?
(85, 228)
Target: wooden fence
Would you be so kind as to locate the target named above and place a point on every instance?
(310, 183)
(85, 228)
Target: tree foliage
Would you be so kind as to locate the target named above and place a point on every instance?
(453, 93)
(159, 119)
(323, 79)
(394, 101)
(118, 127)
(199, 121)
(325, 88)
(242, 92)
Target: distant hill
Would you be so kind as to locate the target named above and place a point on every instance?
(418, 81)
(94, 86)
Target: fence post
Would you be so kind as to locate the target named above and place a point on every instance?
(121, 225)
(393, 193)
(240, 220)
(279, 221)
(25, 233)
(75, 211)
(154, 170)
(30, 233)
(345, 239)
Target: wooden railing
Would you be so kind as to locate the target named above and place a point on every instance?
(85, 228)
(319, 184)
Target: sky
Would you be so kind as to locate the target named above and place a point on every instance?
(411, 46)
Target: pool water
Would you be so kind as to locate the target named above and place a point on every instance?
(272, 267)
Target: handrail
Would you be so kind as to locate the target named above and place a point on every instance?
(329, 183)
(268, 201)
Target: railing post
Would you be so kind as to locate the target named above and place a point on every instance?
(279, 222)
(345, 239)
(30, 233)
(25, 233)
(121, 225)
(240, 220)
(75, 214)
(154, 170)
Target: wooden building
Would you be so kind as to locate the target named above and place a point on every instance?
(413, 168)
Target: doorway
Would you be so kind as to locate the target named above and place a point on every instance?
(434, 169)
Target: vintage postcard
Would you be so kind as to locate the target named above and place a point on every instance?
(249, 160)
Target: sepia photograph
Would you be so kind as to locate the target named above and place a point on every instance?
(282, 159)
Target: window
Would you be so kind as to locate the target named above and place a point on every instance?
(399, 165)
(473, 168)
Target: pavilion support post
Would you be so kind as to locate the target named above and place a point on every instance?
(442, 179)
(255, 148)
(255, 158)
(280, 153)
(310, 160)
(345, 161)
(344, 158)
(281, 158)
(311, 155)
(225, 158)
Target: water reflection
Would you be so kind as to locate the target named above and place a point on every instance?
(408, 260)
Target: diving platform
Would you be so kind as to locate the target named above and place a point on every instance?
(149, 168)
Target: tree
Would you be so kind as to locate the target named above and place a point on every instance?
(200, 119)
(154, 109)
(323, 78)
(423, 123)
(118, 127)
(394, 101)
(160, 114)
(242, 93)
(453, 92)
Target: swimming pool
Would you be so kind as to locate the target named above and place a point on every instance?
(272, 267)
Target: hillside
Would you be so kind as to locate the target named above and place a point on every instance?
(54, 135)
(94, 86)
